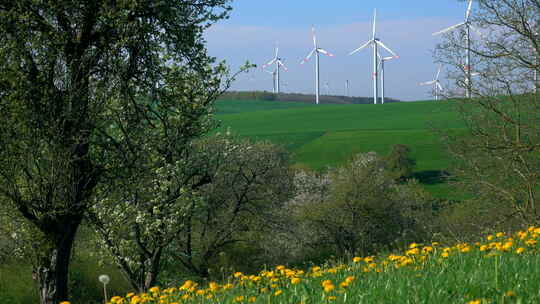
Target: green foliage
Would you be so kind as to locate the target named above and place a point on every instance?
(399, 162)
(359, 208)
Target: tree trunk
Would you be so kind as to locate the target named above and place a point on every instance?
(51, 271)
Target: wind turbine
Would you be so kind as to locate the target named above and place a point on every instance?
(278, 62)
(375, 42)
(382, 60)
(436, 83)
(316, 50)
(468, 26)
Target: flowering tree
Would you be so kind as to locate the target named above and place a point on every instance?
(190, 209)
(84, 88)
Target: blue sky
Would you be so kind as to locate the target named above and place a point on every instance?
(255, 26)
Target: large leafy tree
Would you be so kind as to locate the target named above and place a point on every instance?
(498, 157)
(84, 86)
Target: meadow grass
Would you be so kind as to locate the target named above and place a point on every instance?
(18, 287)
(499, 269)
(328, 135)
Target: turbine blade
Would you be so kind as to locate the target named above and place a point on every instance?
(384, 46)
(438, 72)
(448, 29)
(468, 14)
(325, 52)
(282, 65)
(374, 23)
(308, 56)
(439, 86)
(277, 52)
(269, 63)
(427, 82)
(362, 47)
(314, 37)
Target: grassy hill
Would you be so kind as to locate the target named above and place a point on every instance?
(326, 135)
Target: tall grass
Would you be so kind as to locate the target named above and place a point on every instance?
(501, 269)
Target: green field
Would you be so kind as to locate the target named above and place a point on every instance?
(327, 135)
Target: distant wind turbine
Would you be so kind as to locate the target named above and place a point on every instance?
(327, 87)
(468, 26)
(436, 83)
(278, 62)
(375, 42)
(382, 60)
(316, 50)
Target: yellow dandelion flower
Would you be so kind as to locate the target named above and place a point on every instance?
(331, 298)
(238, 274)
(278, 292)
(239, 299)
(413, 245)
(499, 234)
(474, 302)
(280, 267)
(329, 288)
(510, 294)
(154, 289)
(349, 279)
(445, 254)
(520, 250)
(490, 237)
(530, 242)
(427, 249)
(213, 286)
(252, 299)
(201, 292)
(65, 302)
(357, 259)
(295, 281)
(129, 295)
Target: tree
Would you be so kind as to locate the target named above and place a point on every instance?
(364, 209)
(399, 162)
(187, 212)
(84, 85)
(498, 157)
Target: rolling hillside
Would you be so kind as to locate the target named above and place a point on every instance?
(326, 135)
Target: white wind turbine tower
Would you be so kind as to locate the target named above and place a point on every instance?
(375, 42)
(316, 50)
(382, 60)
(436, 83)
(273, 73)
(277, 61)
(468, 26)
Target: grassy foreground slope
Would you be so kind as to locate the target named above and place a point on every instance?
(503, 268)
(326, 135)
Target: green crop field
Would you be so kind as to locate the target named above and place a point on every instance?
(327, 135)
